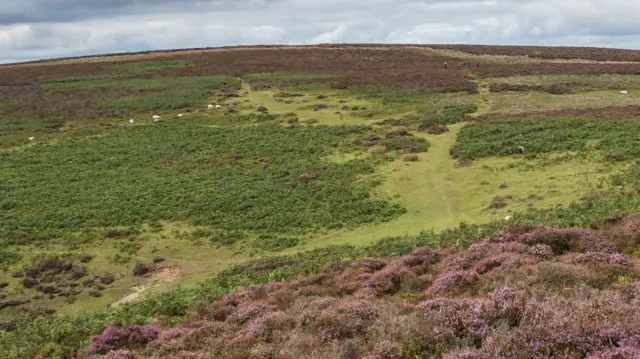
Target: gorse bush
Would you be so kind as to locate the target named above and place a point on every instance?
(182, 171)
(544, 135)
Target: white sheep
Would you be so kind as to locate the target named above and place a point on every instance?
(624, 92)
(521, 149)
(218, 106)
(131, 121)
(179, 115)
(210, 106)
(31, 138)
(507, 218)
(156, 117)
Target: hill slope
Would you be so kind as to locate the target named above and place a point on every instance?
(148, 188)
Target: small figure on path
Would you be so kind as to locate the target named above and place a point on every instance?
(445, 64)
(466, 64)
(478, 64)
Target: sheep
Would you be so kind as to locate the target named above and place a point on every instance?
(31, 138)
(156, 117)
(131, 121)
(507, 218)
(209, 106)
(218, 107)
(624, 92)
(179, 115)
(521, 149)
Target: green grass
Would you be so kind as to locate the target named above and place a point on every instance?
(175, 185)
(439, 195)
(182, 171)
(415, 107)
(285, 79)
(544, 135)
(610, 82)
(64, 334)
(537, 101)
(303, 110)
(164, 101)
(155, 94)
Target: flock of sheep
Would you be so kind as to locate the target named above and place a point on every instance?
(157, 118)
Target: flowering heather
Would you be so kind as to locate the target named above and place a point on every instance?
(617, 353)
(542, 251)
(453, 281)
(113, 337)
(119, 354)
(386, 349)
(532, 292)
(462, 354)
(385, 281)
(611, 258)
(251, 310)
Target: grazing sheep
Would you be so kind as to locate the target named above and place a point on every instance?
(521, 149)
(31, 138)
(507, 218)
(218, 106)
(209, 106)
(131, 121)
(624, 92)
(156, 117)
(179, 115)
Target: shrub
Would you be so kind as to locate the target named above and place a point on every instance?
(411, 158)
(141, 269)
(453, 281)
(378, 150)
(386, 349)
(114, 338)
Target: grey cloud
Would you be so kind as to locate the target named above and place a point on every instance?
(48, 28)
(30, 11)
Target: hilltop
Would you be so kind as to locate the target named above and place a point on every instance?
(321, 201)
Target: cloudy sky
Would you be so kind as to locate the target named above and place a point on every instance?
(34, 29)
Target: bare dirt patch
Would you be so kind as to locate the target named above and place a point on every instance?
(169, 273)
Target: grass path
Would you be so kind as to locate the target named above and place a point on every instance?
(428, 189)
(486, 100)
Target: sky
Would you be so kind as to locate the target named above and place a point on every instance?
(37, 29)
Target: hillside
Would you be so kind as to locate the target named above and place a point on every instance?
(337, 201)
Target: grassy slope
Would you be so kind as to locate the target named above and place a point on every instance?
(435, 193)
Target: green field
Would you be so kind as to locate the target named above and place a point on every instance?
(319, 174)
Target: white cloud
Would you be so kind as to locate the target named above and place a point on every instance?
(336, 36)
(80, 27)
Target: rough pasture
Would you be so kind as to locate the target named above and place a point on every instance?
(623, 112)
(355, 66)
(380, 66)
(253, 183)
(548, 52)
(495, 69)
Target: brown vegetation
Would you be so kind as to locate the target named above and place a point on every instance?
(510, 70)
(549, 52)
